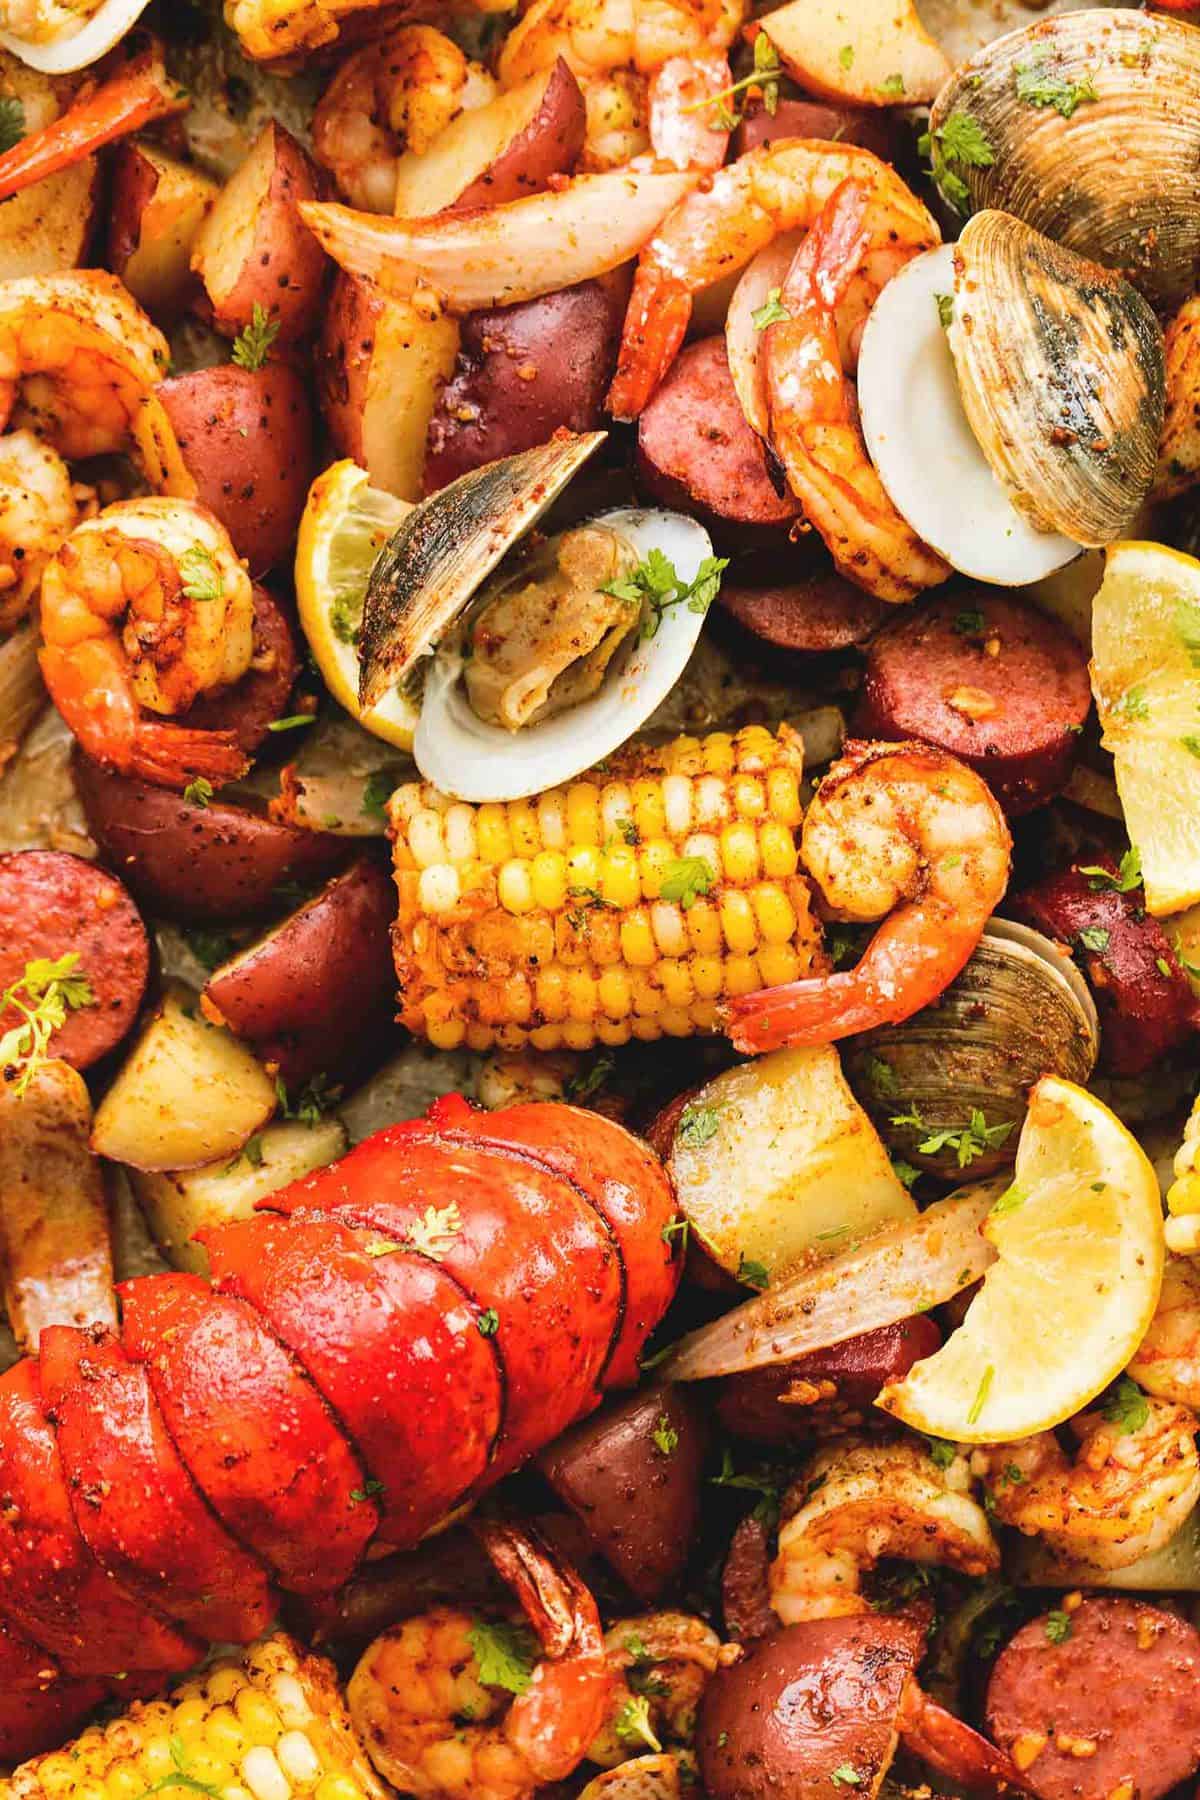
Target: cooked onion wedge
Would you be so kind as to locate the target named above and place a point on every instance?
(60, 44)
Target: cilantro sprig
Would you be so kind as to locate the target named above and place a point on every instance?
(46, 990)
(958, 144)
(504, 1655)
(1037, 84)
(967, 1141)
(655, 587)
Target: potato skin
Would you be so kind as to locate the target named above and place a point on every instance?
(255, 248)
(315, 994)
(156, 208)
(198, 864)
(639, 1503)
(247, 437)
(524, 371)
(551, 143)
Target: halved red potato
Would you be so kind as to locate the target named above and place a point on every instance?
(46, 228)
(254, 248)
(246, 435)
(198, 863)
(156, 207)
(381, 365)
(502, 151)
(316, 993)
(869, 126)
(873, 52)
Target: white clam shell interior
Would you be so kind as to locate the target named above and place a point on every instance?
(471, 760)
(925, 451)
(106, 27)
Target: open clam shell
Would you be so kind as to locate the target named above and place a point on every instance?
(434, 562)
(1060, 369)
(61, 41)
(1087, 127)
(1019, 1010)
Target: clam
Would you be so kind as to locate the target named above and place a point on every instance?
(58, 36)
(1087, 127)
(1019, 1010)
(536, 656)
(1012, 397)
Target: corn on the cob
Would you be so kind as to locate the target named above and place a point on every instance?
(267, 1724)
(625, 905)
(1182, 1228)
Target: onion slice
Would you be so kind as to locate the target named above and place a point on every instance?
(78, 49)
(904, 1269)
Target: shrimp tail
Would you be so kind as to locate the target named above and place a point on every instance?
(950, 1746)
(656, 323)
(173, 755)
(141, 93)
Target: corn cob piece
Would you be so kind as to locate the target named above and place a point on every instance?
(1182, 1227)
(266, 1724)
(624, 905)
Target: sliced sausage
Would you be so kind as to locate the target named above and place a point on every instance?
(695, 449)
(745, 1583)
(872, 127)
(819, 612)
(1111, 1708)
(795, 1401)
(987, 678)
(524, 372)
(51, 904)
(1144, 1000)
(251, 706)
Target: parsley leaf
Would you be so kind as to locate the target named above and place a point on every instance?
(342, 622)
(435, 1231)
(202, 579)
(1094, 937)
(12, 123)
(967, 1141)
(656, 588)
(752, 1274)
(941, 1452)
(666, 1438)
(892, 88)
(211, 948)
(1127, 877)
(1058, 1626)
(753, 1481)
(959, 141)
(252, 347)
(504, 1654)
(1013, 1197)
(317, 1097)
(43, 994)
(198, 792)
(589, 1081)
(377, 791)
(1037, 85)
(251, 1152)
(1126, 1406)
(685, 879)
(488, 1323)
(697, 1124)
(367, 1491)
(770, 312)
(633, 1723)
(846, 1775)
(292, 721)
(846, 56)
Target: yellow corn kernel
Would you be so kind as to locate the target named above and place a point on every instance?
(123, 1781)
(263, 1776)
(712, 803)
(223, 1730)
(583, 813)
(647, 996)
(647, 1031)
(156, 1759)
(704, 928)
(619, 884)
(704, 1015)
(548, 875)
(458, 831)
(614, 993)
(677, 986)
(719, 753)
(1182, 1234)
(443, 1029)
(479, 1037)
(492, 835)
(552, 820)
(583, 870)
(676, 1021)
(677, 804)
(523, 828)
(438, 888)
(1183, 1195)
(58, 1774)
(578, 1034)
(637, 939)
(550, 993)
(654, 859)
(616, 811)
(88, 1787)
(546, 1037)
(755, 745)
(649, 811)
(741, 975)
(739, 853)
(613, 1031)
(749, 796)
(405, 801)
(514, 887)
(571, 935)
(425, 838)
(777, 964)
(774, 912)
(670, 932)
(604, 936)
(338, 1787)
(783, 796)
(738, 924)
(259, 1718)
(582, 998)
(708, 976)
(298, 1760)
(777, 848)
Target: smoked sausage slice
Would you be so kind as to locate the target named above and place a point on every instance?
(791, 1402)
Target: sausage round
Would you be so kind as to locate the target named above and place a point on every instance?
(1145, 1003)
(745, 1583)
(250, 707)
(52, 903)
(987, 678)
(820, 612)
(695, 449)
(792, 1402)
(1114, 1707)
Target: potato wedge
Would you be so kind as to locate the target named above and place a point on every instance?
(381, 366)
(157, 207)
(55, 1227)
(775, 1160)
(870, 52)
(254, 248)
(45, 228)
(180, 1202)
(189, 1093)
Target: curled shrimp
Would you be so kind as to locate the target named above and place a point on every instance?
(1167, 1363)
(715, 230)
(862, 1500)
(39, 507)
(426, 1701)
(1122, 1493)
(273, 28)
(389, 97)
(147, 606)
(903, 833)
(79, 363)
(813, 412)
(661, 1664)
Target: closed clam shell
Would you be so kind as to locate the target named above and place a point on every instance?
(1092, 123)
(1060, 369)
(1019, 1010)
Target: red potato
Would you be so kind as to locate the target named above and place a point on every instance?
(381, 366)
(246, 436)
(156, 207)
(46, 228)
(501, 151)
(254, 248)
(53, 1589)
(198, 864)
(875, 131)
(134, 1502)
(251, 706)
(391, 1342)
(631, 1476)
(260, 1443)
(552, 1337)
(523, 373)
(316, 994)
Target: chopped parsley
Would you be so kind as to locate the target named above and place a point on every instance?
(504, 1655)
(958, 144)
(981, 1394)
(12, 123)
(1126, 1406)
(656, 588)
(317, 1097)
(292, 722)
(1014, 1196)
(905, 1172)
(590, 1080)
(633, 1723)
(697, 1125)
(342, 621)
(1133, 704)
(764, 79)
(43, 994)
(882, 1076)
(252, 346)
(435, 1231)
(846, 1775)
(846, 56)
(202, 579)
(770, 312)
(967, 1141)
(377, 791)
(198, 792)
(752, 1274)
(945, 312)
(941, 1453)
(1039, 85)
(678, 1228)
(250, 1152)
(211, 948)
(1094, 937)
(752, 1481)
(1058, 1626)
(969, 622)
(369, 1489)
(1191, 743)
(892, 88)
(685, 879)
(666, 1438)
(488, 1323)
(1127, 877)
(179, 1776)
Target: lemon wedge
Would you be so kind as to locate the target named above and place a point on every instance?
(346, 523)
(1146, 678)
(1079, 1260)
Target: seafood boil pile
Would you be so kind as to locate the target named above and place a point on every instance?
(599, 900)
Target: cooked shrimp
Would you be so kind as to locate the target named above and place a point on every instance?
(903, 833)
(1179, 443)
(716, 230)
(430, 1716)
(270, 28)
(813, 411)
(46, 21)
(684, 130)
(661, 1664)
(389, 97)
(1121, 1495)
(39, 507)
(79, 362)
(861, 1500)
(669, 1776)
(612, 47)
(1167, 1363)
(147, 606)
